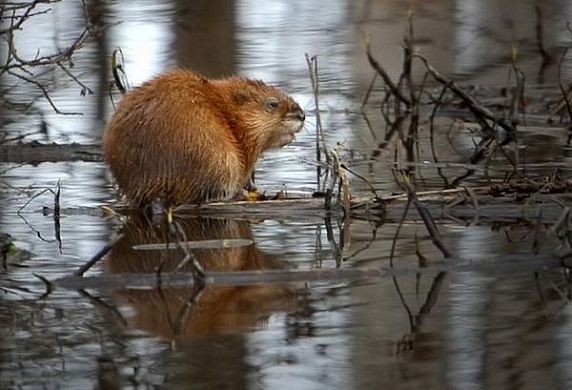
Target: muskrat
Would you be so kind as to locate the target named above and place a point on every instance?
(182, 138)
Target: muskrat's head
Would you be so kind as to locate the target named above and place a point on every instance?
(268, 116)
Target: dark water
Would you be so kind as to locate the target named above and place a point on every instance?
(430, 329)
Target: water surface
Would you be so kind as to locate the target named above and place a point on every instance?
(429, 329)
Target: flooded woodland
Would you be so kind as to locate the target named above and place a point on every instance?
(416, 234)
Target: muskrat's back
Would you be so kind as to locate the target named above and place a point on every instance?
(182, 138)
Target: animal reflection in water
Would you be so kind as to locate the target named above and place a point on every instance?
(172, 312)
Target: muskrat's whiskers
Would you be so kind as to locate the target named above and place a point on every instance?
(308, 124)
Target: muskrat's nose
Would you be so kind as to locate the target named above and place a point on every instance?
(298, 112)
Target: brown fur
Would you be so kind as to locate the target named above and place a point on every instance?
(182, 138)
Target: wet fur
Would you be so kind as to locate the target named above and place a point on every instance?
(182, 138)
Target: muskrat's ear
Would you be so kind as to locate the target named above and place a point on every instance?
(240, 97)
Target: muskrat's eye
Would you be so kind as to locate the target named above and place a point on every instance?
(272, 104)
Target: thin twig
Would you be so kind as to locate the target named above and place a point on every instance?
(312, 63)
(181, 237)
(436, 107)
(477, 109)
(561, 85)
(98, 256)
(379, 69)
(426, 217)
(57, 225)
(21, 68)
(44, 92)
(362, 178)
(188, 307)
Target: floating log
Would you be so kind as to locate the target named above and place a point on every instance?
(446, 205)
(510, 264)
(35, 153)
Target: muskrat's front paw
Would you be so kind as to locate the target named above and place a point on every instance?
(255, 196)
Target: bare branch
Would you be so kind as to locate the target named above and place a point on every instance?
(25, 69)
